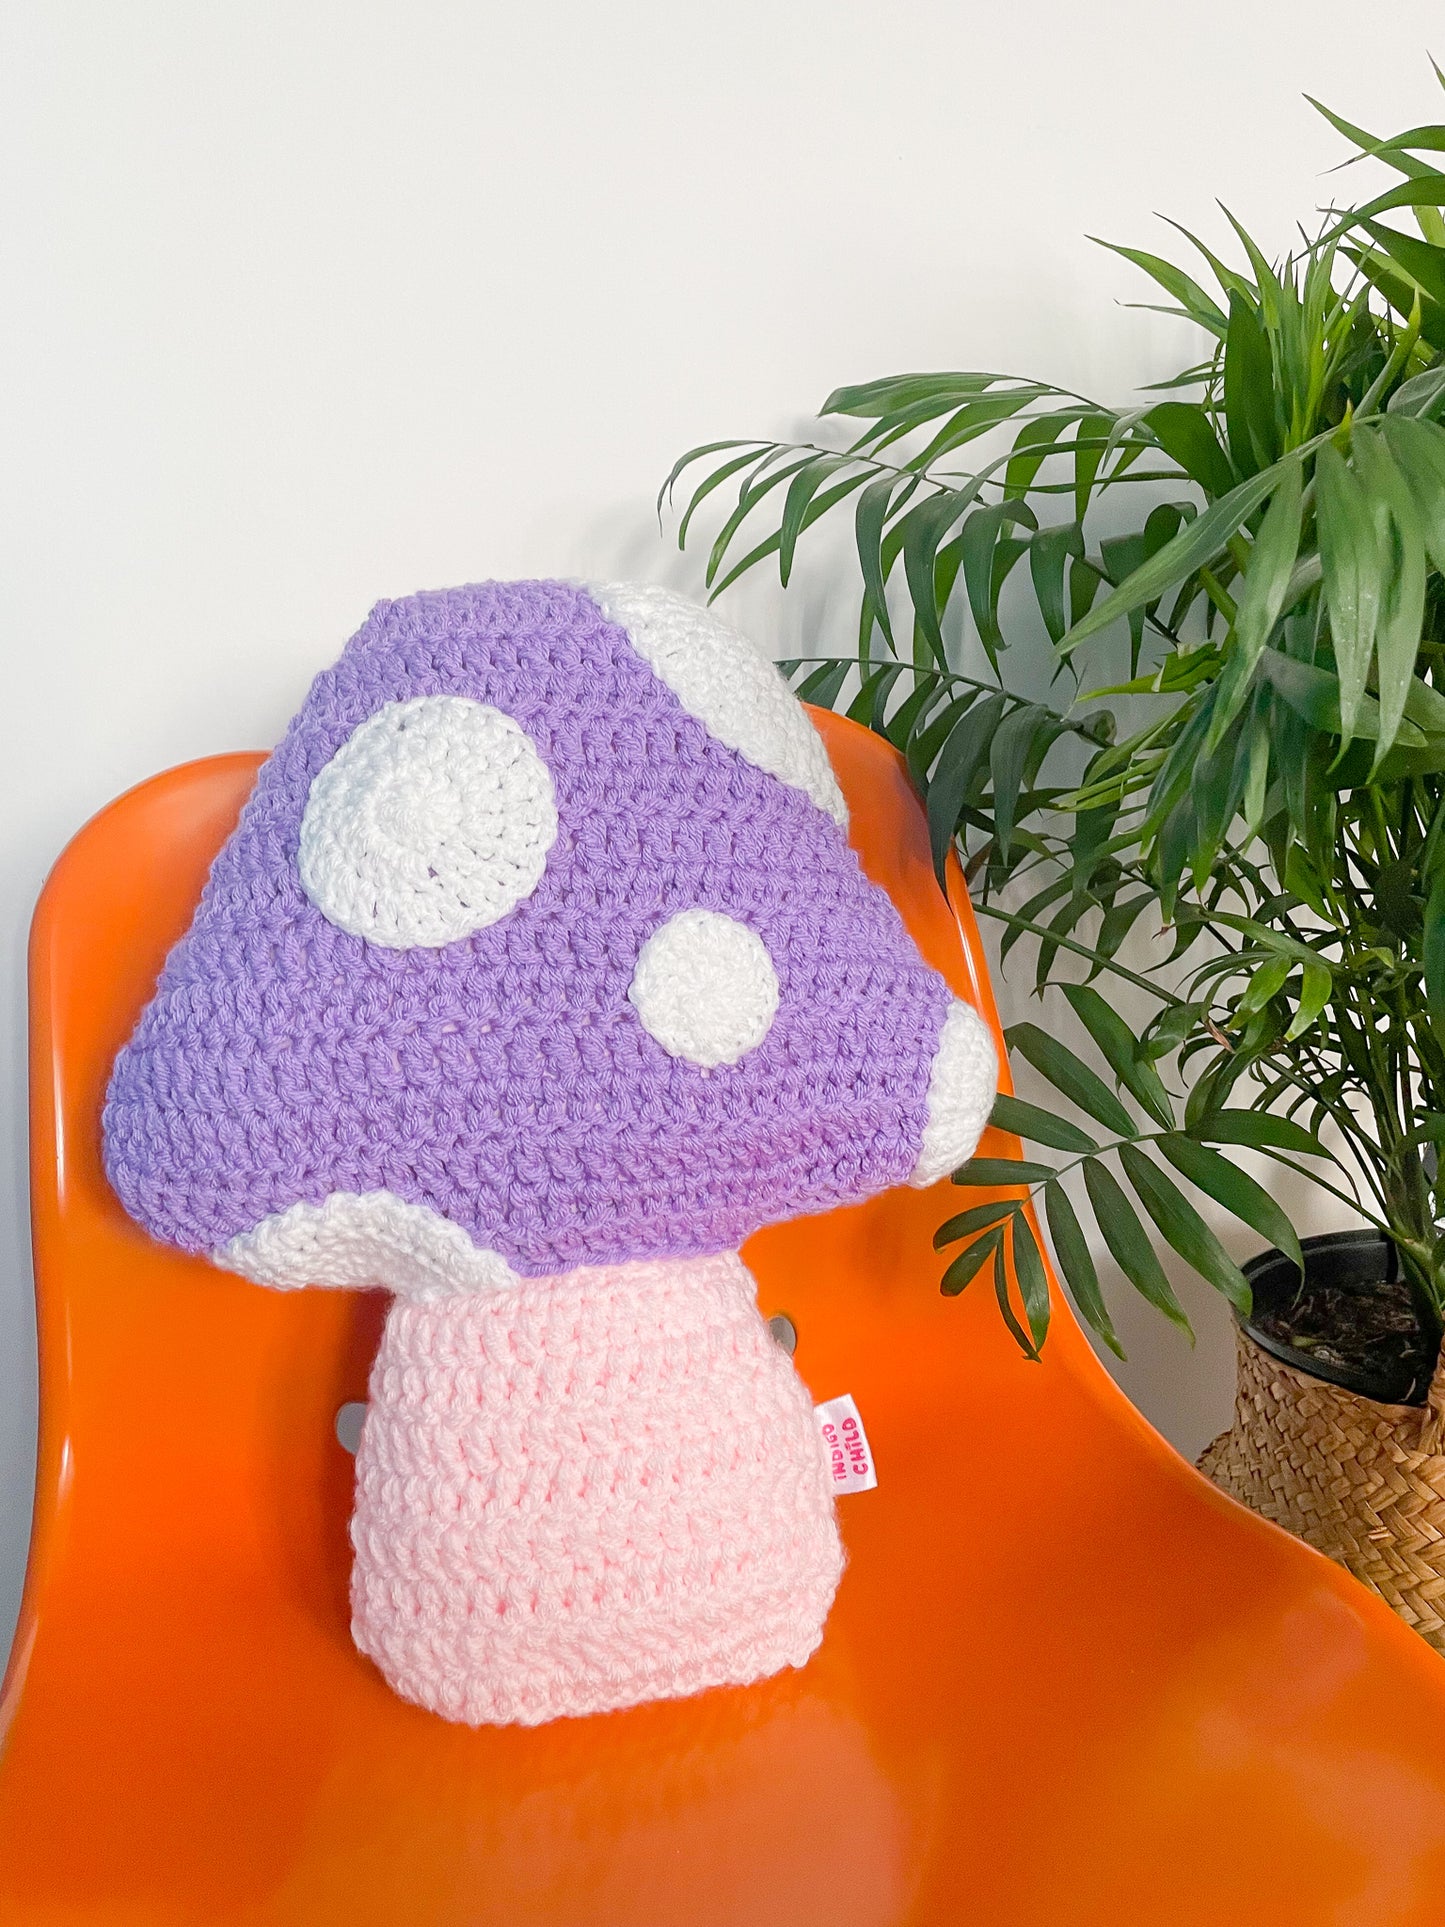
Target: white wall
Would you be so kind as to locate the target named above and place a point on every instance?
(309, 303)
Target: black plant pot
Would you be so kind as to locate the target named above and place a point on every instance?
(1349, 1263)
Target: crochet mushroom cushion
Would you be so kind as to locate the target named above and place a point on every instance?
(537, 974)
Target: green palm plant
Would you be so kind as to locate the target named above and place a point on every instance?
(1236, 590)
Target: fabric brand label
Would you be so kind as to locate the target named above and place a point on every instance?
(850, 1456)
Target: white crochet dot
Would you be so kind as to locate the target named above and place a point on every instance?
(365, 1241)
(705, 988)
(734, 691)
(432, 820)
(961, 1090)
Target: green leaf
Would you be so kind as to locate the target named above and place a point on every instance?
(801, 491)
(1265, 983)
(762, 483)
(1416, 137)
(757, 451)
(768, 546)
(978, 540)
(1123, 554)
(959, 762)
(1314, 694)
(1425, 706)
(1211, 1090)
(873, 693)
(1300, 878)
(1402, 293)
(925, 526)
(1088, 453)
(1268, 290)
(1433, 954)
(1116, 924)
(1071, 1075)
(876, 399)
(819, 507)
(1035, 442)
(1430, 1130)
(1185, 290)
(1033, 1280)
(1231, 282)
(974, 1219)
(1271, 565)
(1424, 264)
(1059, 926)
(966, 424)
(1266, 935)
(1401, 546)
(1129, 1242)
(1395, 148)
(963, 423)
(1182, 1225)
(1232, 1188)
(1049, 551)
(1218, 789)
(1170, 1028)
(1177, 837)
(1120, 1048)
(1419, 449)
(980, 1171)
(875, 505)
(1219, 786)
(1350, 554)
(1421, 397)
(1077, 1265)
(1318, 984)
(1095, 825)
(1038, 1126)
(1199, 542)
(967, 1265)
(707, 485)
(1085, 582)
(928, 739)
(899, 729)
(1396, 907)
(1009, 753)
(1006, 1310)
(1249, 389)
(1029, 912)
(1185, 432)
(824, 682)
(1179, 767)
(1260, 1131)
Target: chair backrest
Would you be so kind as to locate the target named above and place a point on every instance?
(186, 1413)
(1063, 1675)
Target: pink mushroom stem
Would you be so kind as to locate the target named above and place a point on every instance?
(587, 1491)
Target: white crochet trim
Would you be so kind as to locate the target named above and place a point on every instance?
(732, 689)
(361, 1241)
(961, 1091)
(432, 820)
(705, 988)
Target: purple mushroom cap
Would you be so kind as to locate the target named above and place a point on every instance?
(512, 1088)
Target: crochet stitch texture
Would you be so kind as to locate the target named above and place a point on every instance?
(537, 974)
(504, 1080)
(661, 1528)
(475, 806)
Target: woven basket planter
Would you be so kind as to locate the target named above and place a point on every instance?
(1361, 1481)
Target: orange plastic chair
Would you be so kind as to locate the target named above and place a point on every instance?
(1065, 1681)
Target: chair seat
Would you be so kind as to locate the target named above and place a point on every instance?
(1064, 1681)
